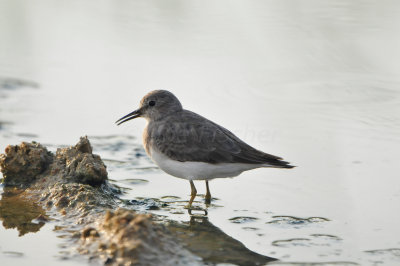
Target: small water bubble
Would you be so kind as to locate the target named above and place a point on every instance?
(327, 237)
(390, 251)
(15, 83)
(152, 208)
(317, 219)
(292, 242)
(14, 254)
(63, 236)
(170, 197)
(148, 204)
(177, 212)
(248, 228)
(242, 219)
(135, 181)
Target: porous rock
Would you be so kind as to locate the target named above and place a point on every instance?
(80, 164)
(21, 164)
(73, 181)
(129, 238)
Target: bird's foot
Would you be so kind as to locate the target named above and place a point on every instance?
(207, 199)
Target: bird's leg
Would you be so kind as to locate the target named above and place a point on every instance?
(192, 194)
(208, 194)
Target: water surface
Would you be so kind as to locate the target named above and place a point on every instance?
(314, 82)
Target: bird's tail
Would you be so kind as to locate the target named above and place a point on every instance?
(279, 164)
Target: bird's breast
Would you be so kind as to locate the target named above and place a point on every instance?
(146, 140)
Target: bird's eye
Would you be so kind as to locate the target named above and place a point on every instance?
(152, 103)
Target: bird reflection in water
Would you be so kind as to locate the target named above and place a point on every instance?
(210, 243)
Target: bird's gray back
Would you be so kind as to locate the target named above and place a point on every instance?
(186, 136)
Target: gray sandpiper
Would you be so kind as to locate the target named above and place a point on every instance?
(189, 146)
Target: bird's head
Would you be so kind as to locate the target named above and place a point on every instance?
(153, 106)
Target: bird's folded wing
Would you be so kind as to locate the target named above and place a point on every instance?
(191, 137)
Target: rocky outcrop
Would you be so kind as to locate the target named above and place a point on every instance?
(73, 182)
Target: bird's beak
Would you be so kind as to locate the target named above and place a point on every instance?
(129, 116)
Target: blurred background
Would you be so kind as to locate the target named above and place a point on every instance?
(316, 82)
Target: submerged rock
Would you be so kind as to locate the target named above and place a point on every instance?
(132, 238)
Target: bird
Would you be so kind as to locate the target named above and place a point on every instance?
(187, 145)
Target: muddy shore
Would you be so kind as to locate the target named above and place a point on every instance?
(71, 187)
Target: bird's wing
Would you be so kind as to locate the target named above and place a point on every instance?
(190, 137)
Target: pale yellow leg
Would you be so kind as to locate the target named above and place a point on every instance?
(208, 194)
(192, 194)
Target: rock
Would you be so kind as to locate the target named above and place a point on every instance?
(130, 238)
(21, 164)
(90, 232)
(81, 165)
(73, 182)
(73, 185)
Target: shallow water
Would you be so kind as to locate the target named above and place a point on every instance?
(314, 82)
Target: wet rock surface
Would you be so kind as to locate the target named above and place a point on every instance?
(81, 165)
(21, 164)
(134, 238)
(71, 188)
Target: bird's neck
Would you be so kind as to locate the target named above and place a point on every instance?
(146, 139)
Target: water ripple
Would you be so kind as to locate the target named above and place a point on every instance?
(296, 221)
(242, 219)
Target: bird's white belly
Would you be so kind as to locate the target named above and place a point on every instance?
(199, 170)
